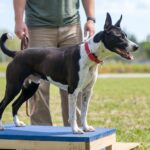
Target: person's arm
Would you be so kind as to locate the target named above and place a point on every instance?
(20, 26)
(89, 7)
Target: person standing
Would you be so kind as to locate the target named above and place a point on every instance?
(52, 23)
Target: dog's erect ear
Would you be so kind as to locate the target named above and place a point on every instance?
(118, 22)
(108, 22)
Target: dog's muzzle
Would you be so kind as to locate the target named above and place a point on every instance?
(127, 53)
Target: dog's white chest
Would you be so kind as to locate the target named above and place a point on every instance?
(86, 76)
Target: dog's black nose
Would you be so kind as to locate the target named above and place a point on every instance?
(135, 47)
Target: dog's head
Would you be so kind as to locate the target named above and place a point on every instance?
(115, 39)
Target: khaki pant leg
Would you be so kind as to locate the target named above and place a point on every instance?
(42, 37)
(69, 35)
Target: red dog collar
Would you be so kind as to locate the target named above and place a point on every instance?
(91, 56)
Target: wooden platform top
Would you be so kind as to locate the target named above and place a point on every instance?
(49, 133)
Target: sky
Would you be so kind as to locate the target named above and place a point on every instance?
(136, 15)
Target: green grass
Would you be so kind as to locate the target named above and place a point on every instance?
(123, 104)
(3, 67)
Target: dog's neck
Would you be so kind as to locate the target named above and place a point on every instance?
(98, 49)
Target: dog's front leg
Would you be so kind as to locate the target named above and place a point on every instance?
(85, 102)
(72, 98)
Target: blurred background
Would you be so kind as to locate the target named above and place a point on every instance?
(135, 23)
(118, 103)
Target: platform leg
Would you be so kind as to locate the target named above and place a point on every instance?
(111, 147)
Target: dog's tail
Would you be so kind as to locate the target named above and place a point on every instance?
(5, 50)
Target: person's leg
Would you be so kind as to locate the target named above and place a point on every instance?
(42, 37)
(69, 35)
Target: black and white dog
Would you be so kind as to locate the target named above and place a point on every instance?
(73, 69)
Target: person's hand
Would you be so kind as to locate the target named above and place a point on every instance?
(21, 29)
(89, 28)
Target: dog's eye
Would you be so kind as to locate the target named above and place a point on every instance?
(123, 36)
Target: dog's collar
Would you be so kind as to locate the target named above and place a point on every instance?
(91, 56)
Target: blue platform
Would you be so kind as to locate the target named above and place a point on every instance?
(49, 133)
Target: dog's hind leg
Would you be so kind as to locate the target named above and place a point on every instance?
(27, 92)
(11, 91)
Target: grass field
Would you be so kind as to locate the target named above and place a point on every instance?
(123, 104)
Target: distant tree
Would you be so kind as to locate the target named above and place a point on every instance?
(145, 46)
(133, 38)
(148, 37)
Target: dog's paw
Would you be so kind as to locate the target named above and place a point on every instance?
(20, 124)
(89, 129)
(78, 131)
